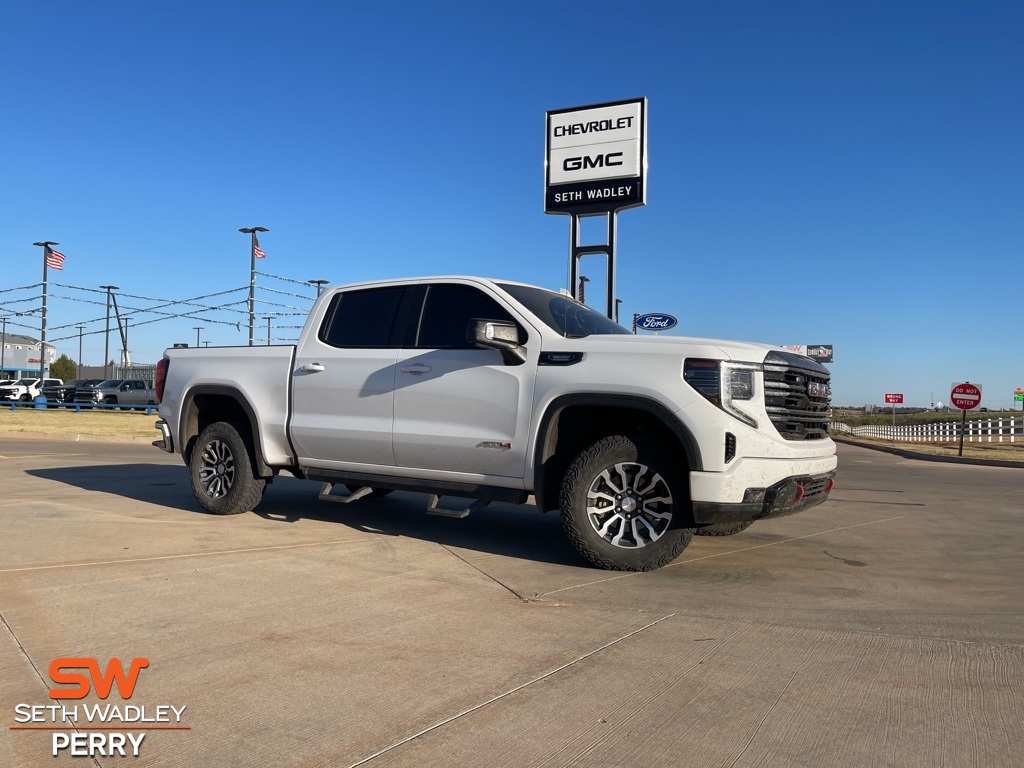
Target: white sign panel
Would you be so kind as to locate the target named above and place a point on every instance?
(596, 157)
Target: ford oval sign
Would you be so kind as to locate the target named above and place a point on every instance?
(656, 322)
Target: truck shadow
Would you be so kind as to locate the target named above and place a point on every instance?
(499, 529)
(163, 484)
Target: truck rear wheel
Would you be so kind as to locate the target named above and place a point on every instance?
(623, 505)
(221, 471)
(723, 529)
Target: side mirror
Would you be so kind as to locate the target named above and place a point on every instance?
(497, 334)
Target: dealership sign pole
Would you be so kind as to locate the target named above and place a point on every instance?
(595, 164)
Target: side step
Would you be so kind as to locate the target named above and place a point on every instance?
(433, 509)
(326, 495)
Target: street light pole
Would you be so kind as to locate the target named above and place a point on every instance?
(198, 328)
(78, 368)
(319, 285)
(45, 245)
(106, 343)
(3, 349)
(617, 302)
(252, 274)
(583, 281)
(268, 330)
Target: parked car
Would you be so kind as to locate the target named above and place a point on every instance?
(120, 392)
(27, 389)
(57, 394)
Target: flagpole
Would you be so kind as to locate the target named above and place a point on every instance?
(252, 283)
(42, 325)
(251, 231)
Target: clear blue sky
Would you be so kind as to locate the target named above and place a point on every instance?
(847, 173)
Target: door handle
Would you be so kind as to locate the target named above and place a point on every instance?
(416, 370)
(312, 368)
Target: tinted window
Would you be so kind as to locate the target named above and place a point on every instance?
(447, 310)
(362, 318)
(564, 315)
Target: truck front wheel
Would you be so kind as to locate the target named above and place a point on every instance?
(221, 471)
(623, 504)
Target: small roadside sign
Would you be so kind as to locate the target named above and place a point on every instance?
(893, 398)
(965, 396)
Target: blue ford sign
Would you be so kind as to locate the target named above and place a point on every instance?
(655, 321)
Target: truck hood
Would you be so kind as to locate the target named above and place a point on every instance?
(681, 346)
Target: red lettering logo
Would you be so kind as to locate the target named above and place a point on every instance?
(102, 682)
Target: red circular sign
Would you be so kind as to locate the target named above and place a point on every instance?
(965, 396)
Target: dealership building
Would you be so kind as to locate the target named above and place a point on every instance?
(21, 356)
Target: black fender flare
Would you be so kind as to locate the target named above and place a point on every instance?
(187, 400)
(599, 400)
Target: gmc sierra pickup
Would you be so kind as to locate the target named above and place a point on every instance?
(493, 390)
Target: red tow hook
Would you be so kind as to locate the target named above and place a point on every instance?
(831, 485)
(799, 493)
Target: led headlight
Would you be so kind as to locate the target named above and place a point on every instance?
(723, 383)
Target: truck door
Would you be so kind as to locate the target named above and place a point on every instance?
(343, 380)
(458, 408)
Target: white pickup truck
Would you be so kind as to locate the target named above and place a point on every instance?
(498, 391)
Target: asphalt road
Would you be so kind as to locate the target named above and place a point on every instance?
(883, 628)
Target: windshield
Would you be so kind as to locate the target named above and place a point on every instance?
(109, 383)
(562, 314)
(26, 382)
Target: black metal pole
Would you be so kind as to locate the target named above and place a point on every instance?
(610, 299)
(78, 368)
(963, 428)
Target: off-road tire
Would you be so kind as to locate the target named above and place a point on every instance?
(221, 470)
(723, 529)
(643, 526)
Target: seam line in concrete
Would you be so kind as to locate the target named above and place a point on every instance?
(730, 552)
(179, 557)
(789, 683)
(500, 696)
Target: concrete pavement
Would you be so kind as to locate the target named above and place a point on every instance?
(882, 628)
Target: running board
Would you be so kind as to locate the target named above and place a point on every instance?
(326, 488)
(433, 509)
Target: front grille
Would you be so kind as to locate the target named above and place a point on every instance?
(89, 396)
(796, 395)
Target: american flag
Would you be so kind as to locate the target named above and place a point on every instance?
(54, 259)
(257, 250)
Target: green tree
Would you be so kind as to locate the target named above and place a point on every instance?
(63, 368)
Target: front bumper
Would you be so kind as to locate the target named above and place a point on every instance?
(756, 489)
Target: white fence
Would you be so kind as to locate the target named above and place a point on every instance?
(1007, 429)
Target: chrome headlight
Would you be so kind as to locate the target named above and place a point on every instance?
(725, 384)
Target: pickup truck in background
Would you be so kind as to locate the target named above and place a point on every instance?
(27, 389)
(498, 391)
(120, 392)
(62, 394)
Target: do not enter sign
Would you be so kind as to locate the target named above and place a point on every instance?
(965, 396)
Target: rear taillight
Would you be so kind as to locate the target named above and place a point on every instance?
(161, 377)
